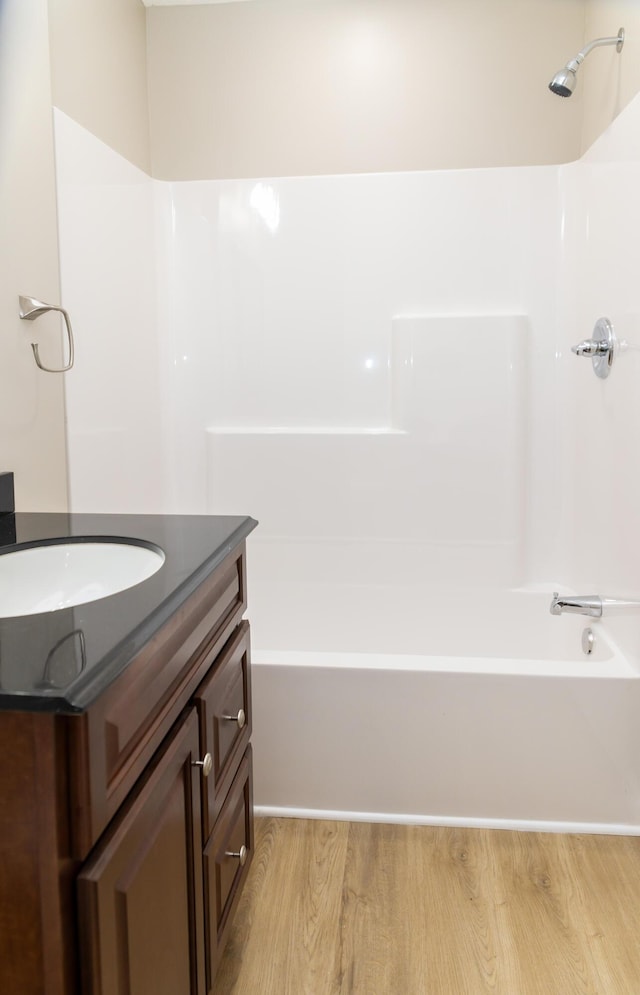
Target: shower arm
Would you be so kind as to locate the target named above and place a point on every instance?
(617, 40)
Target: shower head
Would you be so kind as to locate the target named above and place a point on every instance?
(564, 82)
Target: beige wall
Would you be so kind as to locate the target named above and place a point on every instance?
(610, 80)
(274, 87)
(99, 71)
(283, 86)
(32, 440)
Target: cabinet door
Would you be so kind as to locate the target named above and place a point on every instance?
(223, 701)
(140, 895)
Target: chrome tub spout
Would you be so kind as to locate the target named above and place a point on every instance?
(584, 604)
(592, 605)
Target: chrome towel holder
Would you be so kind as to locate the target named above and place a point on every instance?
(30, 309)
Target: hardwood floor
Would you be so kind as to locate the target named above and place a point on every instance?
(335, 908)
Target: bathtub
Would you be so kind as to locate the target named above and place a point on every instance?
(445, 707)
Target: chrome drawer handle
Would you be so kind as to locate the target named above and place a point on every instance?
(206, 764)
(241, 855)
(240, 718)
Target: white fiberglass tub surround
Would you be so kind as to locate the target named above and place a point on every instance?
(383, 377)
(487, 713)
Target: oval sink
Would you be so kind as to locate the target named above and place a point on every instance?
(59, 575)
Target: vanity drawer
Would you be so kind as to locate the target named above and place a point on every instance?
(223, 701)
(227, 856)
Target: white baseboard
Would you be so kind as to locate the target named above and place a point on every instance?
(517, 825)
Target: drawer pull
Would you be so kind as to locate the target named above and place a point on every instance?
(240, 718)
(241, 854)
(206, 764)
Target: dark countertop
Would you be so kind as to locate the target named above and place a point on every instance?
(61, 661)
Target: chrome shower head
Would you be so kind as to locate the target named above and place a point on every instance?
(564, 82)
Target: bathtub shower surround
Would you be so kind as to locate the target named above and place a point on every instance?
(107, 259)
(378, 368)
(277, 314)
(355, 434)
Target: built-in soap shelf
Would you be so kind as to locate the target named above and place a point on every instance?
(442, 460)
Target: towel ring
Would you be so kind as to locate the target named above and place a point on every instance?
(30, 309)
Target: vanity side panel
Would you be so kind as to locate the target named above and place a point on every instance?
(37, 937)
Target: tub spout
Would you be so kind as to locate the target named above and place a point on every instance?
(586, 604)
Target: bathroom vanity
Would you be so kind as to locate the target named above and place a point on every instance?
(126, 828)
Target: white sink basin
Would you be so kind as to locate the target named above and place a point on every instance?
(60, 575)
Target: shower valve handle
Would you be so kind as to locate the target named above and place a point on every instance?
(601, 347)
(591, 348)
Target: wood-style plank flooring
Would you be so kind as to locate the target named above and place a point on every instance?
(334, 908)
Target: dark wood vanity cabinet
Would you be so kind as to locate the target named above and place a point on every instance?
(147, 800)
(156, 895)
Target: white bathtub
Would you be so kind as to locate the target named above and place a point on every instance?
(473, 708)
